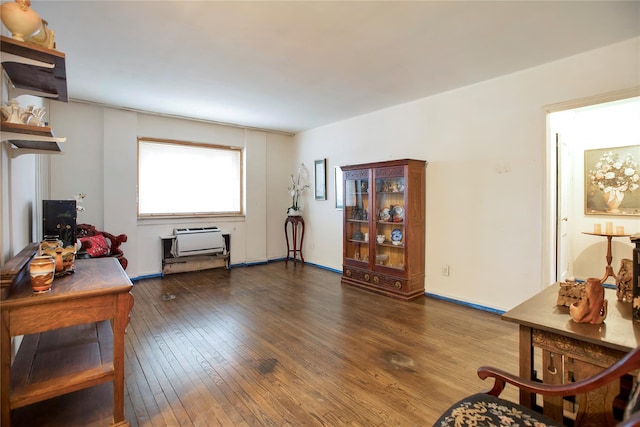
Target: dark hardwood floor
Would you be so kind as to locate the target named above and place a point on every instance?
(278, 345)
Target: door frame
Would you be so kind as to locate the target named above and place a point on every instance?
(550, 208)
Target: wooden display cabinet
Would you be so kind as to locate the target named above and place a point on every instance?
(384, 227)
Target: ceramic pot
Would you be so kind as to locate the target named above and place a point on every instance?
(42, 270)
(294, 212)
(64, 259)
(20, 19)
(11, 113)
(49, 242)
(37, 117)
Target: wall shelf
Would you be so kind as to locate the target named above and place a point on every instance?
(27, 139)
(32, 70)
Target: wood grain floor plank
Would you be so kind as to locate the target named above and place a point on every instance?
(288, 345)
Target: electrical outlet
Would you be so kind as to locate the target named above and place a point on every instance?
(445, 270)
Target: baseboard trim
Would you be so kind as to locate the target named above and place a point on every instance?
(467, 304)
(333, 270)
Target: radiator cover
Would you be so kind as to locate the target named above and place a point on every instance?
(198, 241)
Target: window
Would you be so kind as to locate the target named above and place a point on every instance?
(188, 179)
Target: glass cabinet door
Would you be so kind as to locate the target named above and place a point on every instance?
(390, 221)
(356, 211)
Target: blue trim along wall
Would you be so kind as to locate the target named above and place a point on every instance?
(468, 304)
(333, 270)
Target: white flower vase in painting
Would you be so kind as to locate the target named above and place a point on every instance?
(614, 199)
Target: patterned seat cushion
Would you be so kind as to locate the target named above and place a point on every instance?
(633, 406)
(483, 410)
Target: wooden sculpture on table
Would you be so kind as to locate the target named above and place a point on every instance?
(624, 281)
(593, 307)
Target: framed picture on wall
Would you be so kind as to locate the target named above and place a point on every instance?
(339, 189)
(612, 182)
(321, 179)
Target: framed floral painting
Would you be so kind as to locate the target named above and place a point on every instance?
(612, 181)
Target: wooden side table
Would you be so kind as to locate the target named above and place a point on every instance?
(97, 293)
(572, 351)
(295, 221)
(608, 269)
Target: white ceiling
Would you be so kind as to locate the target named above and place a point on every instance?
(294, 65)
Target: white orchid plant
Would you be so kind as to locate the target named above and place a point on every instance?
(79, 199)
(297, 187)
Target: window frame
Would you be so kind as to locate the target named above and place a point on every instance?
(238, 150)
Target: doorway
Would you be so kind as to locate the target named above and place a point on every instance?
(586, 125)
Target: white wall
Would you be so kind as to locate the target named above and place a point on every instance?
(485, 145)
(18, 190)
(100, 158)
(486, 196)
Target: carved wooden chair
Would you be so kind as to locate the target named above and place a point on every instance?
(97, 244)
(488, 409)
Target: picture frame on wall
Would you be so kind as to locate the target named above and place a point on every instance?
(611, 181)
(339, 190)
(320, 179)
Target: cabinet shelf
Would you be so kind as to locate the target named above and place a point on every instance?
(390, 245)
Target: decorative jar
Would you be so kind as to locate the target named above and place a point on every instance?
(20, 19)
(42, 270)
(63, 258)
(49, 242)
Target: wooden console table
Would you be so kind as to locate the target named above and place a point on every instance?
(97, 296)
(294, 220)
(572, 351)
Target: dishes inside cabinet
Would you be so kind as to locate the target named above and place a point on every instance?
(398, 213)
(396, 236)
(385, 214)
(381, 259)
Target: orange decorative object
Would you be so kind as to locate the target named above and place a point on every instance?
(63, 258)
(42, 269)
(20, 19)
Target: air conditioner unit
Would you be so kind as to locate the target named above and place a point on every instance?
(198, 241)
